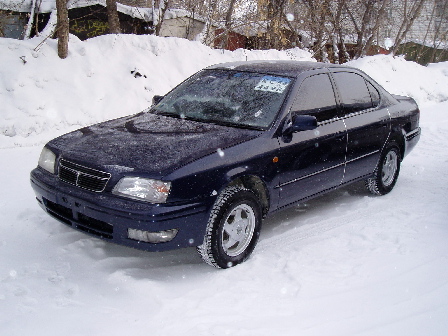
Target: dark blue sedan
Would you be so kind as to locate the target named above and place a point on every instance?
(230, 145)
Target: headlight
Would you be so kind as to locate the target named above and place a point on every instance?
(47, 160)
(143, 189)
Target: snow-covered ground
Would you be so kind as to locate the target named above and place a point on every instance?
(346, 263)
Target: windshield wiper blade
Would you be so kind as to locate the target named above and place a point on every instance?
(168, 114)
(236, 125)
(209, 121)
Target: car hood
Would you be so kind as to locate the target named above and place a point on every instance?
(148, 143)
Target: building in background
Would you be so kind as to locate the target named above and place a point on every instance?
(426, 40)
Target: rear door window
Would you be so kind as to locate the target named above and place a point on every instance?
(354, 93)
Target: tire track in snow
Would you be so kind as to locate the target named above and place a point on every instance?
(310, 230)
(356, 210)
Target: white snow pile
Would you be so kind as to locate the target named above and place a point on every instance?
(102, 78)
(343, 264)
(114, 75)
(424, 84)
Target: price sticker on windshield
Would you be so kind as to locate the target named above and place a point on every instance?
(272, 84)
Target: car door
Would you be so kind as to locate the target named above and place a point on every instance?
(367, 123)
(312, 161)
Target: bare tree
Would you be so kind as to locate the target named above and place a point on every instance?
(164, 5)
(341, 54)
(410, 14)
(334, 30)
(431, 31)
(29, 25)
(271, 22)
(441, 30)
(62, 28)
(228, 24)
(112, 17)
(275, 18)
(211, 12)
(366, 17)
(317, 13)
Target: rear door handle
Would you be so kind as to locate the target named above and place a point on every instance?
(341, 137)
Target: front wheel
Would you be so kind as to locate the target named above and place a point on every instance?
(233, 228)
(386, 173)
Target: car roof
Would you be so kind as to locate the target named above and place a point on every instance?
(282, 68)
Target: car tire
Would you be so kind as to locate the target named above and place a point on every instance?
(386, 173)
(233, 228)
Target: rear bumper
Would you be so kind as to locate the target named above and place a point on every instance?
(108, 217)
(411, 140)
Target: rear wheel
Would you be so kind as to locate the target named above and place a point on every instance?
(233, 228)
(386, 173)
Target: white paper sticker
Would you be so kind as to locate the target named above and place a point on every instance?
(272, 84)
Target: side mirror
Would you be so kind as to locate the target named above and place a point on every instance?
(302, 123)
(298, 123)
(156, 99)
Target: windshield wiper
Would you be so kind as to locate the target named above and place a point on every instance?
(167, 114)
(236, 125)
(210, 121)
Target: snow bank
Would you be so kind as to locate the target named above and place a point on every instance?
(106, 77)
(111, 76)
(398, 76)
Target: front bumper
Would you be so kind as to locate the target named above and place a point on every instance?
(108, 217)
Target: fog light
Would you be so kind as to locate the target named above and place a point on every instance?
(152, 237)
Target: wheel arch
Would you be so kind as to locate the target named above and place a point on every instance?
(398, 136)
(257, 186)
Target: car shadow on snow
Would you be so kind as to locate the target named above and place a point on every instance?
(326, 206)
(173, 266)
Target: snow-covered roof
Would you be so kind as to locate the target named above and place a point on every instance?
(46, 6)
(145, 14)
(249, 29)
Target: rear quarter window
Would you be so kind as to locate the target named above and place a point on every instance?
(373, 94)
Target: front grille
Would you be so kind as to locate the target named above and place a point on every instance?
(83, 177)
(95, 226)
(79, 221)
(59, 209)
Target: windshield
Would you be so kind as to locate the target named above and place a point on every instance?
(227, 97)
